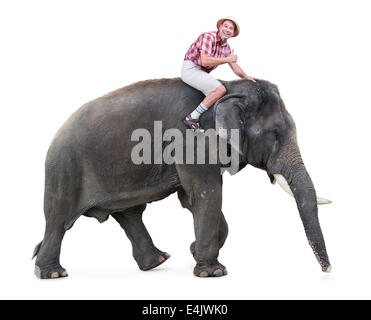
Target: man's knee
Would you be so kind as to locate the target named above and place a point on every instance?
(221, 90)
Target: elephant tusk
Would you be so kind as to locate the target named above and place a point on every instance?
(323, 201)
(283, 183)
(285, 186)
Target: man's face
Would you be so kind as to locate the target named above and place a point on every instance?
(226, 29)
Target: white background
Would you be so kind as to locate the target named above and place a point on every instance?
(57, 55)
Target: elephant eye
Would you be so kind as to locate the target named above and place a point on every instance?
(276, 132)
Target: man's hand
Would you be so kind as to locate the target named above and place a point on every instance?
(232, 58)
(251, 78)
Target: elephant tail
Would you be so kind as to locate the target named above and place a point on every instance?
(37, 249)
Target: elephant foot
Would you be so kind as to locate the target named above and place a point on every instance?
(215, 270)
(153, 260)
(50, 272)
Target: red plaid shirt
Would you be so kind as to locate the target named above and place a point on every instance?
(208, 43)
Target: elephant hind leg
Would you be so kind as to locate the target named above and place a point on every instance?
(47, 264)
(145, 253)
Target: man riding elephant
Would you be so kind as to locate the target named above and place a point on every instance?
(89, 168)
(204, 55)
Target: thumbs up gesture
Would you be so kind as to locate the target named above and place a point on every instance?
(233, 57)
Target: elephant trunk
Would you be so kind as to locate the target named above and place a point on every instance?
(290, 165)
(305, 195)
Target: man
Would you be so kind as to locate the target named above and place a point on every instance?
(204, 55)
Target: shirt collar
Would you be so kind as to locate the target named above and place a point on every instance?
(221, 42)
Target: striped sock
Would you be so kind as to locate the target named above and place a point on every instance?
(198, 111)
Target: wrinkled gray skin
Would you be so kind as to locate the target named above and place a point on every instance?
(89, 171)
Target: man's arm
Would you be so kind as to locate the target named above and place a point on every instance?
(239, 72)
(212, 61)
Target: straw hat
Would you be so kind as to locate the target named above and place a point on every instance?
(237, 29)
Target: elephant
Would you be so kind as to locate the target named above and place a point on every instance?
(89, 170)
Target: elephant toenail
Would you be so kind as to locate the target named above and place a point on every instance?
(218, 273)
(64, 274)
(161, 259)
(54, 275)
(204, 274)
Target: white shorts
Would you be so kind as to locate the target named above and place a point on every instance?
(193, 75)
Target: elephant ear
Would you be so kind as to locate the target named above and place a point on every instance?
(228, 113)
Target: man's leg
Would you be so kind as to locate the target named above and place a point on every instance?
(191, 120)
(214, 96)
(204, 82)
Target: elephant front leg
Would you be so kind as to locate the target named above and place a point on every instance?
(223, 233)
(207, 219)
(203, 187)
